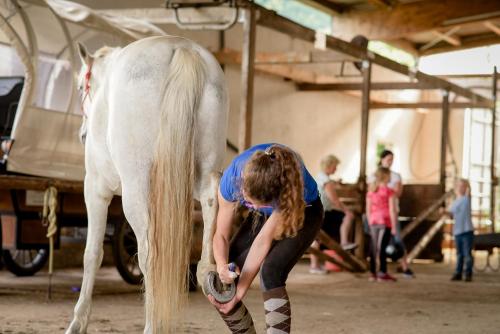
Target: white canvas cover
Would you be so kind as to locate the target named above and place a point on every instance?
(48, 118)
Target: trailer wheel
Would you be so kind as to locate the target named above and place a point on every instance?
(25, 262)
(125, 253)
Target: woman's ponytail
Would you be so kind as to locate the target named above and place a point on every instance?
(275, 176)
(291, 199)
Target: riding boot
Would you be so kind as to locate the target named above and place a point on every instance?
(239, 320)
(278, 312)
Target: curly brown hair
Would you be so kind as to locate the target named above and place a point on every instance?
(275, 176)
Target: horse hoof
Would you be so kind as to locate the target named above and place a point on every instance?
(222, 293)
(75, 328)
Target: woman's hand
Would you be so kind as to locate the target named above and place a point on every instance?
(393, 231)
(227, 276)
(224, 308)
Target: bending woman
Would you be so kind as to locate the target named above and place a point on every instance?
(285, 216)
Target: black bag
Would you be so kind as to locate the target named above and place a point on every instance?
(394, 250)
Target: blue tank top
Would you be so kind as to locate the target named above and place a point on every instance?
(230, 183)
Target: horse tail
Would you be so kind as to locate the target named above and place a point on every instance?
(171, 192)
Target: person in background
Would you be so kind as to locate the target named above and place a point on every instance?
(463, 230)
(335, 211)
(396, 184)
(381, 215)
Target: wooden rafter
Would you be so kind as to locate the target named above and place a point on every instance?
(404, 45)
(449, 36)
(381, 3)
(264, 64)
(446, 36)
(467, 42)
(288, 58)
(428, 105)
(493, 27)
(359, 86)
(271, 20)
(413, 17)
(330, 5)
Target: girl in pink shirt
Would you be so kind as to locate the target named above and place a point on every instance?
(381, 214)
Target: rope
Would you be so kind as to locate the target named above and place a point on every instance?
(49, 218)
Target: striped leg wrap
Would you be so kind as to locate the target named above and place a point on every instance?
(278, 312)
(239, 320)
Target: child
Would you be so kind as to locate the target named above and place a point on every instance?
(395, 183)
(463, 230)
(381, 214)
(285, 216)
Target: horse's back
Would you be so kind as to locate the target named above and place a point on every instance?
(135, 92)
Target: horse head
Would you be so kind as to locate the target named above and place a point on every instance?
(90, 79)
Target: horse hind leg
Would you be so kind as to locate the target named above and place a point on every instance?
(135, 208)
(97, 199)
(209, 205)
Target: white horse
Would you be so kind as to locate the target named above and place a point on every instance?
(155, 133)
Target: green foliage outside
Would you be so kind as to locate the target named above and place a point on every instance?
(391, 52)
(317, 20)
(301, 13)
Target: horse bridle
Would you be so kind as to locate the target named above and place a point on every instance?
(86, 88)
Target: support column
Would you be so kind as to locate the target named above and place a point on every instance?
(247, 76)
(444, 139)
(365, 111)
(494, 180)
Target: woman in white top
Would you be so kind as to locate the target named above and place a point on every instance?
(395, 183)
(335, 211)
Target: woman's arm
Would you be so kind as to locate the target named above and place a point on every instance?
(222, 234)
(393, 214)
(398, 189)
(331, 193)
(258, 251)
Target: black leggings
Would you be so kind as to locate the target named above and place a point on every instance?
(380, 238)
(284, 253)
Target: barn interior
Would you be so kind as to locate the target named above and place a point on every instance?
(345, 77)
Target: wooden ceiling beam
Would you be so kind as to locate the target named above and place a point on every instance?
(449, 36)
(404, 45)
(374, 86)
(426, 105)
(330, 5)
(493, 27)
(230, 56)
(273, 64)
(467, 42)
(413, 17)
(381, 3)
(271, 20)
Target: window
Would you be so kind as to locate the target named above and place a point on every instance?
(476, 165)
